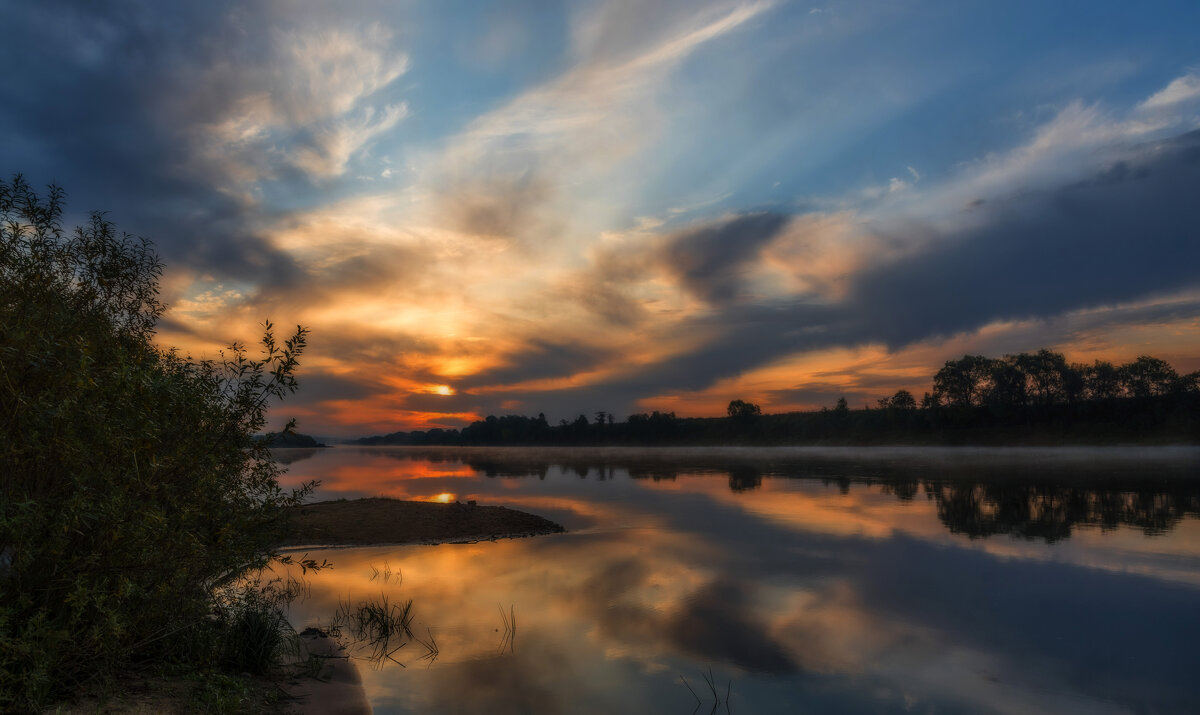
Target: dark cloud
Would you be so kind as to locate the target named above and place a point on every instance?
(369, 346)
(713, 622)
(103, 100)
(1127, 232)
(319, 387)
(709, 261)
(521, 684)
(503, 205)
(606, 301)
(716, 625)
(397, 270)
(543, 359)
(1157, 313)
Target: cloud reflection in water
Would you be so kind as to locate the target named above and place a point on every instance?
(818, 582)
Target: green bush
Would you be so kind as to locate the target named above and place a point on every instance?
(133, 499)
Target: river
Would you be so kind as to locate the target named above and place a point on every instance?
(782, 580)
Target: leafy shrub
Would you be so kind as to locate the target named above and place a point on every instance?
(132, 495)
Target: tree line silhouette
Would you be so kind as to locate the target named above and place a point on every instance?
(1028, 398)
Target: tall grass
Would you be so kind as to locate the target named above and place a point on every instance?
(377, 623)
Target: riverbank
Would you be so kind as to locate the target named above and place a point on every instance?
(379, 520)
(337, 688)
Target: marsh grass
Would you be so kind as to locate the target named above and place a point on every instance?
(715, 692)
(387, 574)
(383, 626)
(509, 640)
(256, 639)
(432, 651)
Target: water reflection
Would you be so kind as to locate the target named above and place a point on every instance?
(813, 581)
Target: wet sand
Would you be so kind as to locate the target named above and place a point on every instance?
(336, 690)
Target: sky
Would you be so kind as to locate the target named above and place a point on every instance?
(567, 207)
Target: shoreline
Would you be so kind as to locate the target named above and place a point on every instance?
(377, 521)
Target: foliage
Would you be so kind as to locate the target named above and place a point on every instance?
(963, 383)
(1148, 377)
(133, 497)
(743, 411)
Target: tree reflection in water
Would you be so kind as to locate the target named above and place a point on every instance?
(974, 498)
(753, 563)
(1049, 512)
(977, 494)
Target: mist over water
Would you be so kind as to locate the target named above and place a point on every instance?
(797, 579)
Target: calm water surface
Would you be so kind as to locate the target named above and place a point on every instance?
(798, 580)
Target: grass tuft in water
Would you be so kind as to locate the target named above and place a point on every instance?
(377, 623)
(509, 640)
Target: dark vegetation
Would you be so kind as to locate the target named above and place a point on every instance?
(1029, 398)
(137, 511)
(292, 440)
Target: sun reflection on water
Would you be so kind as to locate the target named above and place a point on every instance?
(801, 592)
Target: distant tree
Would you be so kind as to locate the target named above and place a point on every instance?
(929, 401)
(1102, 381)
(1148, 377)
(1074, 381)
(1008, 382)
(963, 382)
(1046, 372)
(743, 411)
(902, 400)
(842, 405)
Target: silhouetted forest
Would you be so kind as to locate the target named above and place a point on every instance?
(1029, 398)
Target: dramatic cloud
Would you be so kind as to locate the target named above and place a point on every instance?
(1126, 231)
(709, 261)
(613, 206)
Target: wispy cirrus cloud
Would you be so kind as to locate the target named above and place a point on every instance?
(308, 102)
(506, 175)
(1181, 90)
